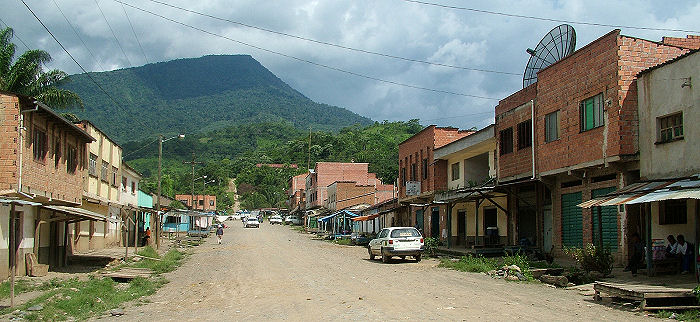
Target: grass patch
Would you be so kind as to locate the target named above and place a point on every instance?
(24, 286)
(343, 241)
(299, 228)
(480, 264)
(688, 315)
(85, 299)
(168, 263)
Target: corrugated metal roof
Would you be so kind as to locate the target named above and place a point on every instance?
(649, 191)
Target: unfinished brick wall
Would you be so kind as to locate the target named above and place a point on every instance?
(690, 41)
(509, 113)
(47, 177)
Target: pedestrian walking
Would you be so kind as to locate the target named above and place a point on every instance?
(220, 233)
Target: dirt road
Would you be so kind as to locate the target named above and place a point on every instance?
(275, 273)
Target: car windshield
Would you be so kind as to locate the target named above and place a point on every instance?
(252, 219)
(405, 232)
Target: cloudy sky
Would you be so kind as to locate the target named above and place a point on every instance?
(401, 28)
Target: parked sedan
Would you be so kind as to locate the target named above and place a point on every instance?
(252, 222)
(276, 220)
(396, 241)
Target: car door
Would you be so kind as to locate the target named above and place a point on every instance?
(376, 244)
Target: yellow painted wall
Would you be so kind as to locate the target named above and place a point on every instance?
(662, 231)
(469, 207)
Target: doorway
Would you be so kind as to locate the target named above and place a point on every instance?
(491, 226)
(462, 228)
(547, 227)
(435, 223)
(15, 237)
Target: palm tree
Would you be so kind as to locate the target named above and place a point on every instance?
(25, 75)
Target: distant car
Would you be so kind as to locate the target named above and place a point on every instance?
(396, 241)
(252, 222)
(275, 220)
(292, 220)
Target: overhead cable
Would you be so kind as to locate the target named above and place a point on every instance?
(113, 34)
(135, 36)
(305, 60)
(573, 22)
(78, 35)
(335, 45)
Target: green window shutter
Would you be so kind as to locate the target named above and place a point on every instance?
(609, 218)
(571, 220)
(589, 117)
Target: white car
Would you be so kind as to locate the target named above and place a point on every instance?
(396, 241)
(276, 220)
(252, 222)
(292, 220)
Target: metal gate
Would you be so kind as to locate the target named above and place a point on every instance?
(609, 219)
(571, 220)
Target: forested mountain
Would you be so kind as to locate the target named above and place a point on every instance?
(195, 95)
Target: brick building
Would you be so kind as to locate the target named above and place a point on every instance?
(420, 176)
(325, 173)
(585, 139)
(202, 202)
(345, 194)
(42, 168)
(295, 193)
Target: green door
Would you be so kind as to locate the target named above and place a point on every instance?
(571, 220)
(609, 219)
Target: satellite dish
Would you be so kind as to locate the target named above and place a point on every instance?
(555, 45)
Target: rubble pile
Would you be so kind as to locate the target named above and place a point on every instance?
(509, 273)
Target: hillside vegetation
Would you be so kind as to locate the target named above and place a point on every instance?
(234, 151)
(197, 95)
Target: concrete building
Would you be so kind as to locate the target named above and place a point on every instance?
(42, 167)
(204, 203)
(420, 176)
(295, 193)
(584, 136)
(101, 192)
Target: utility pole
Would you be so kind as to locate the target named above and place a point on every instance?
(160, 160)
(308, 161)
(192, 163)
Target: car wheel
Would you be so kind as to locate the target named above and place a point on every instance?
(371, 256)
(402, 257)
(417, 257)
(385, 258)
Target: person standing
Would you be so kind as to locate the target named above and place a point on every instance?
(219, 233)
(147, 236)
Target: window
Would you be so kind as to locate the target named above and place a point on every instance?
(551, 127)
(57, 150)
(425, 169)
(506, 140)
(114, 176)
(413, 172)
(211, 202)
(670, 128)
(71, 159)
(105, 169)
(524, 134)
(591, 112)
(201, 202)
(134, 187)
(185, 202)
(124, 183)
(673, 212)
(455, 171)
(92, 166)
(39, 145)
(403, 176)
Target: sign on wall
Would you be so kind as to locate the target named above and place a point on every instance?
(412, 188)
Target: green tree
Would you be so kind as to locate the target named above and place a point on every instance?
(26, 76)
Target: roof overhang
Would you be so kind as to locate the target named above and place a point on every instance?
(649, 191)
(77, 214)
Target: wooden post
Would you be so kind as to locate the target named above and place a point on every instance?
(449, 225)
(136, 232)
(13, 261)
(647, 212)
(65, 243)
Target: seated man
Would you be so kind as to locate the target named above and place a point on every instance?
(672, 244)
(685, 252)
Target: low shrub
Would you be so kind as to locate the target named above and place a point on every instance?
(592, 258)
(431, 245)
(474, 264)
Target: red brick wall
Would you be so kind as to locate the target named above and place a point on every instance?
(43, 178)
(197, 198)
(346, 190)
(519, 162)
(690, 41)
(421, 146)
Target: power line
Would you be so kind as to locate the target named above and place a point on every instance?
(573, 22)
(76, 62)
(16, 35)
(456, 116)
(113, 34)
(333, 44)
(78, 35)
(141, 148)
(305, 60)
(134, 31)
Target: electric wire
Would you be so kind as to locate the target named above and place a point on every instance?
(135, 36)
(77, 63)
(306, 60)
(365, 51)
(139, 149)
(573, 22)
(14, 33)
(78, 35)
(457, 116)
(113, 34)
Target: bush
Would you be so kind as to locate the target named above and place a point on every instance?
(521, 261)
(592, 258)
(474, 264)
(431, 245)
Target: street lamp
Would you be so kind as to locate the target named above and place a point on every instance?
(160, 160)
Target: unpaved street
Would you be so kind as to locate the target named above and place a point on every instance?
(275, 273)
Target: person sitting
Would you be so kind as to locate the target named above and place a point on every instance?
(672, 244)
(685, 252)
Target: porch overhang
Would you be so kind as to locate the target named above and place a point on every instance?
(649, 191)
(73, 214)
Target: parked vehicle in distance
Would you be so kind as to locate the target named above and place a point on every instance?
(292, 220)
(275, 220)
(396, 241)
(252, 222)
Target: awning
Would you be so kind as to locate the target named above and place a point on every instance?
(649, 191)
(345, 212)
(367, 217)
(19, 202)
(78, 212)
